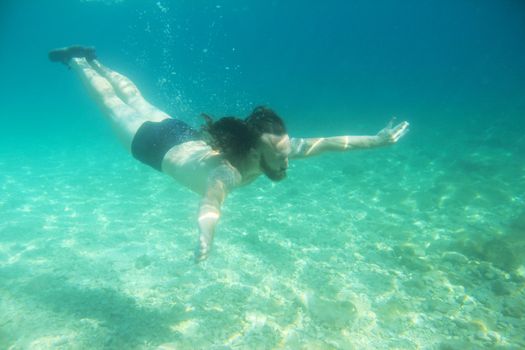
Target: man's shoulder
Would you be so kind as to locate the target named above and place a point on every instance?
(297, 147)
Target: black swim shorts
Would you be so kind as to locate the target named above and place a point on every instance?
(154, 139)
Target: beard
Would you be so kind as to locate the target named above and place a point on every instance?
(274, 175)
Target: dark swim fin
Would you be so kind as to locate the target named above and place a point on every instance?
(63, 55)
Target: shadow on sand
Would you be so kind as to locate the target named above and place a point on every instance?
(120, 321)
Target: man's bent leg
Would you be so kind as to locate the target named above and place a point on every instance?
(130, 94)
(124, 119)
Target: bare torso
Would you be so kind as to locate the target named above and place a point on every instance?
(193, 163)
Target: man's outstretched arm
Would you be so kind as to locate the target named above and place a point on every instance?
(221, 181)
(307, 147)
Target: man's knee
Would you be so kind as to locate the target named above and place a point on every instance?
(103, 86)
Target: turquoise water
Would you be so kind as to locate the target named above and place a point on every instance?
(416, 246)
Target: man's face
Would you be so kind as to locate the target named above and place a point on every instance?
(274, 156)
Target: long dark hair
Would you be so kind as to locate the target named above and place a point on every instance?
(234, 137)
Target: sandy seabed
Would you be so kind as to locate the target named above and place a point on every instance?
(411, 247)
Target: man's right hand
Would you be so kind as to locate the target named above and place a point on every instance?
(203, 250)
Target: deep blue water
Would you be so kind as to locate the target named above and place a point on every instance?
(363, 60)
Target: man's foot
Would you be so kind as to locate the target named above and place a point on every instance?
(65, 54)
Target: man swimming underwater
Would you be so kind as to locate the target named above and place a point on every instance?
(225, 154)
